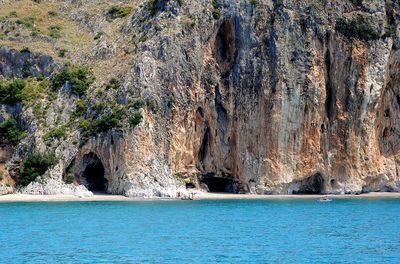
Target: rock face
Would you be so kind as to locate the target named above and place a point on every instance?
(273, 97)
(24, 63)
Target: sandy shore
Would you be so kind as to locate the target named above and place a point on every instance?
(199, 196)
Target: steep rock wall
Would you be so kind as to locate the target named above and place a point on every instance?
(283, 104)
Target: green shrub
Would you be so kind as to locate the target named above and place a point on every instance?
(152, 105)
(13, 14)
(70, 178)
(357, 2)
(85, 126)
(135, 119)
(80, 78)
(152, 7)
(33, 91)
(357, 28)
(99, 107)
(98, 35)
(26, 69)
(303, 24)
(80, 109)
(52, 13)
(113, 84)
(119, 11)
(56, 133)
(216, 13)
(389, 32)
(171, 101)
(10, 92)
(55, 31)
(179, 176)
(106, 122)
(137, 104)
(40, 77)
(26, 21)
(142, 19)
(35, 32)
(215, 4)
(143, 39)
(62, 53)
(34, 166)
(10, 131)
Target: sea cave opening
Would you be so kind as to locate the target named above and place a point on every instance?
(220, 185)
(93, 174)
(311, 185)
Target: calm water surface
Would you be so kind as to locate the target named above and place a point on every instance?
(258, 231)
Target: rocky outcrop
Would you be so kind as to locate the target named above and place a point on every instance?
(24, 63)
(273, 97)
(6, 189)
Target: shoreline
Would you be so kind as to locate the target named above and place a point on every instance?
(199, 196)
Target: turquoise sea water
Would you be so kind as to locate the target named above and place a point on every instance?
(232, 231)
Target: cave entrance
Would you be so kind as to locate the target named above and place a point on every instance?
(221, 185)
(93, 174)
(311, 185)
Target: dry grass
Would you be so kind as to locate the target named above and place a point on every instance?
(76, 37)
(71, 35)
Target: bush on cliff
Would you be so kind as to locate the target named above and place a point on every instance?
(106, 122)
(135, 119)
(55, 31)
(152, 7)
(10, 132)
(357, 28)
(56, 133)
(119, 11)
(34, 166)
(69, 179)
(137, 104)
(357, 2)
(113, 84)
(10, 92)
(80, 109)
(216, 13)
(80, 78)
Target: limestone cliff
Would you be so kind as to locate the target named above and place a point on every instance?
(235, 96)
